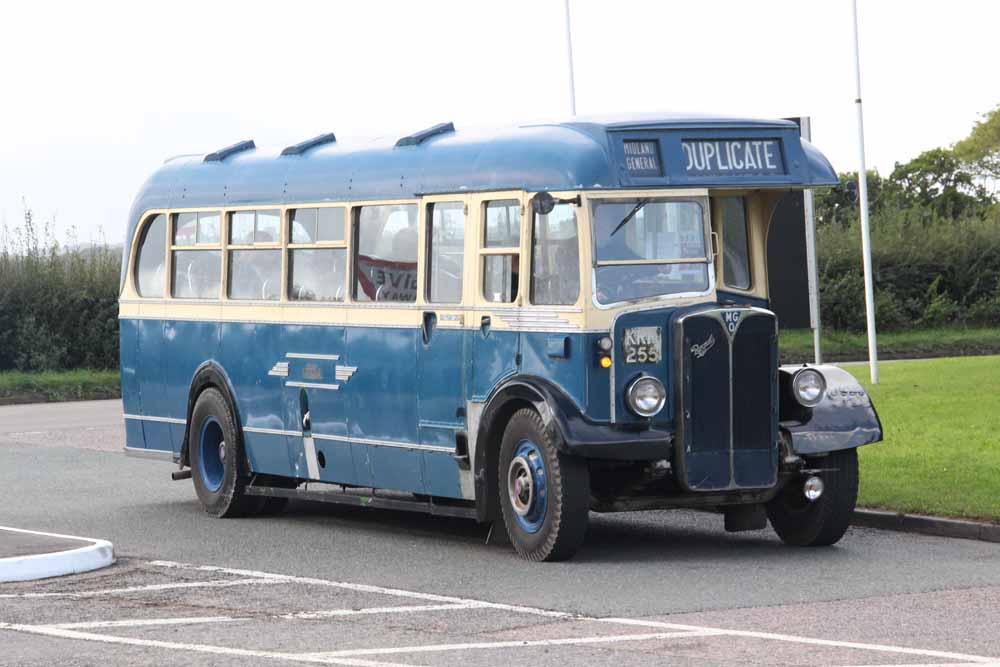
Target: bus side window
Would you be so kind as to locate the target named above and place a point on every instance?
(254, 272)
(503, 231)
(150, 269)
(317, 274)
(735, 244)
(385, 256)
(196, 259)
(555, 258)
(445, 251)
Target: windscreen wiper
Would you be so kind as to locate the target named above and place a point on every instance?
(631, 214)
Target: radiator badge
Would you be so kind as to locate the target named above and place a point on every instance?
(732, 320)
(700, 351)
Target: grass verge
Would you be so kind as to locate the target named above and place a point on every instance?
(796, 345)
(76, 385)
(941, 453)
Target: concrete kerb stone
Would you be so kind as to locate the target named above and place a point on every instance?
(29, 555)
(927, 525)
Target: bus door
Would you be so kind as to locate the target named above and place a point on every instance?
(498, 287)
(443, 348)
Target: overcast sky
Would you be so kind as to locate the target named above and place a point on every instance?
(94, 95)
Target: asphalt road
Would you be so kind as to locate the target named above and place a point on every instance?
(648, 588)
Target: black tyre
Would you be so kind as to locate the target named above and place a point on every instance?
(544, 494)
(215, 449)
(802, 523)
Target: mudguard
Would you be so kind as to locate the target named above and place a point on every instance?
(844, 419)
(208, 374)
(575, 434)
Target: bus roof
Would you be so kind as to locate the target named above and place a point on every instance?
(652, 150)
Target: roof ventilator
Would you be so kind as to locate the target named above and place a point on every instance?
(420, 137)
(223, 153)
(308, 144)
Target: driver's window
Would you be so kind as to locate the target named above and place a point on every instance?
(555, 258)
(445, 251)
(735, 242)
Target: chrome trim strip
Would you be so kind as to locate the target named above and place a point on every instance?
(521, 328)
(145, 418)
(307, 355)
(383, 443)
(312, 385)
(271, 431)
(154, 454)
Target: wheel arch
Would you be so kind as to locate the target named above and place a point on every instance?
(523, 391)
(208, 375)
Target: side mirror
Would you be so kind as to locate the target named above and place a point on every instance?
(543, 203)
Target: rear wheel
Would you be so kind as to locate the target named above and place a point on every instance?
(215, 449)
(822, 522)
(544, 494)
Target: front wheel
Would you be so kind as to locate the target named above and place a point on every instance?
(215, 450)
(822, 522)
(544, 494)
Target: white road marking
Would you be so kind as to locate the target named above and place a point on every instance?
(334, 613)
(192, 648)
(222, 583)
(560, 614)
(471, 646)
(298, 615)
(144, 622)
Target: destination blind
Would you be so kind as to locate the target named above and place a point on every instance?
(733, 157)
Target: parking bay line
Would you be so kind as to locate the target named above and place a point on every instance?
(298, 615)
(62, 633)
(217, 583)
(883, 648)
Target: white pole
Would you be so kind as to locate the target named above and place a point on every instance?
(866, 243)
(569, 56)
(812, 272)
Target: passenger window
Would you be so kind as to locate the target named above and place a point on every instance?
(503, 224)
(312, 225)
(500, 278)
(555, 258)
(250, 227)
(735, 245)
(254, 275)
(150, 270)
(385, 258)
(445, 251)
(317, 274)
(196, 228)
(197, 274)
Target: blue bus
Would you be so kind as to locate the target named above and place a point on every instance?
(519, 325)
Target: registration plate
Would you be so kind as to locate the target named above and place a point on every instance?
(642, 345)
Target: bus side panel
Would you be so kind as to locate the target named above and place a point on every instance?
(441, 476)
(559, 358)
(495, 357)
(381, 403)
(128, 353)
(187, 344)
(153, 397)
(247, 353)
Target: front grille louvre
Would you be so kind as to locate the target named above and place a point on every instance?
(727, 412)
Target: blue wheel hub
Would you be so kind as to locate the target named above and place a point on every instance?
(527, 487)
(212, 454)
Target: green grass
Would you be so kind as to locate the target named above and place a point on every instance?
(941, 453)
(77, 385)
(797, 344)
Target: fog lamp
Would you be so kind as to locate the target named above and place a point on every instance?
(813, 488)
(808, 386)
(604, 344)
(646, 396)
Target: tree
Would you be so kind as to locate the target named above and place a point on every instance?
(937, 181)
(981, 149)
